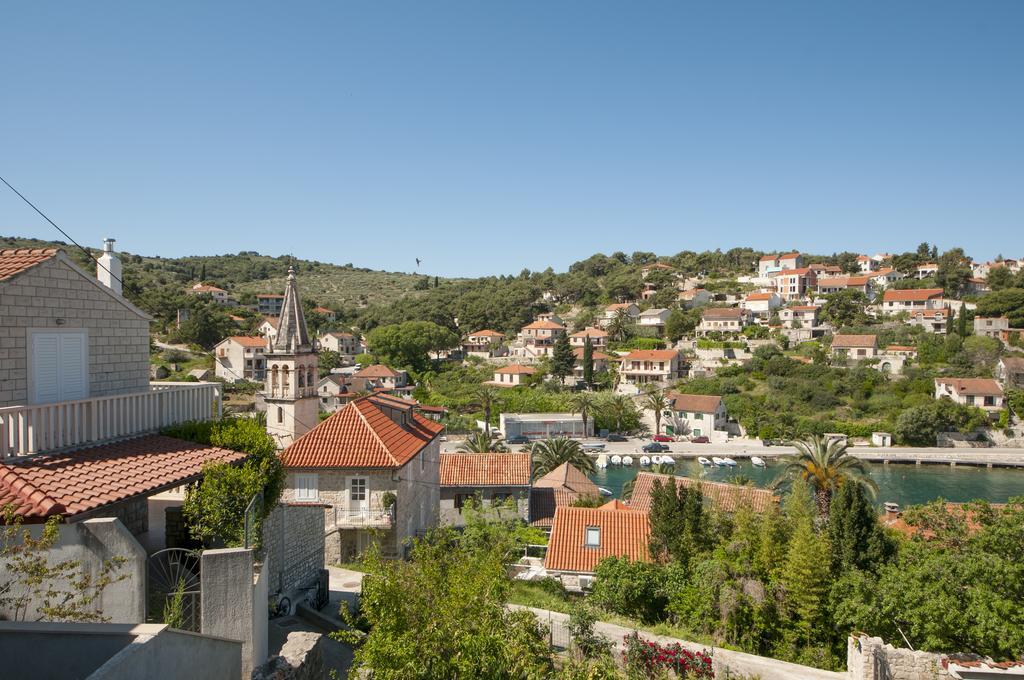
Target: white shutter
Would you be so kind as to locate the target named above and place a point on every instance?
(74, 367)
(45, 368)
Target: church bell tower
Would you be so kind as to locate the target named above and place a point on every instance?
(293, 407)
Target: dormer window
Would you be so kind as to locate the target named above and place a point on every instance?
(592, 537)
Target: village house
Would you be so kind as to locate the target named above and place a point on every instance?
(269, 305)
(825, 270)
(697, 415)
(866, 264)
(240, 357)
(984, 393)
(374, 465)
(558, 488)
(218, 295)
(538, 339)
(885, 277)
(650, 367)
(991, 327)
(799, 316)
(854, 347)
(975, 286)
(485, 343)
(1010, 372)
(334, 391)
(654, 320)
(795, 284)
(600, 362)
(384, 378)
(490, 478)
(912, 300)
(329, 314)
(582, 537)
(695, 297)
(345, 344)
(268, 327)
(772, 264)
(549, 316)
(513, 375)
(722, 497)
(722, 320)
(611, 311)
(761, 305)
(598, 337)
(835, 284)
(926, 270)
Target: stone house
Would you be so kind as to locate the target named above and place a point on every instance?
(345, 344)
(240, 357)
(493, 478)
(557, 489)
(582, 537)
(374, 450)
(991, 327)
(697, 415)
(984, 393)
(854, 347)
(598, 337)
(695, 297)
(1010, 372)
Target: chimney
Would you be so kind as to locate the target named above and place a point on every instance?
(108, 267)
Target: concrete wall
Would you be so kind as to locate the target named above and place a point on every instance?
(118, 335)
(293, 543)
(301, 658)
(91, 543)
(870, 658)
(234, 602)
(113, 652)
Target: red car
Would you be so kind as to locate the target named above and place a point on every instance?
(700, 440)
(663, 438)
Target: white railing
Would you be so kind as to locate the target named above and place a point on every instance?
(39, 428)
(377, 517)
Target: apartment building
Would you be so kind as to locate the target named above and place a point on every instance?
(240, 357)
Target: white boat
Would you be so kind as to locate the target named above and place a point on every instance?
(602, 461)
(616, 460)
(656, 460)
(667, 460)
(591, 447)
(757, 461)
(729, 462)
(703, 461)
(604, 492)
(717, 461)
(627, 460)
(644, 461)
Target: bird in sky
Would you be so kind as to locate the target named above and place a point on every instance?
(417, 262)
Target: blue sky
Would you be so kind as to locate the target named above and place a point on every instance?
(484, 137)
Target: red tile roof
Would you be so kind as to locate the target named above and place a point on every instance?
(622, 533)
(900, 348)
(14, 261)
(247, 340)
(651, 355)
(758, 297)
(376, 371)
(362, 435)
(698, 403)
(982, 387)
(338, 334)
(840, 341)
(578, 353)
(556, 489)
(721, 496)
(789, 256)
(591, 332)
(911, 294)
(768, 258)
(617, 306)
(199, 288)
(544, 325)
(485, 469)
(488, 333)
(803, 271)
(723, 313)
(516, 369)
(87, 479)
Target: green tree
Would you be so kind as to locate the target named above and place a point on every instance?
(825, 465)
(953, 272)
(588, 364)
(1008, 302)
(487, 397)
(583, 403)
(856, 538)
(409, 344)
(679, 526)
(629, 588)
(620, 326)
(680, 323)
(328, 359)
(482, 442)
(563, 361)
(657, 403)
(550, 453)
(844, 308)
(805, 581)
(619, 407)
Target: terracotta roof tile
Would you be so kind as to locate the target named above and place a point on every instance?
(651, 355)
(840, 341)
(544, 325)
(87, 479)
(973, 386)
(622, 533)
(911, 294)
(558, 488)
(485, 469)
(488, 333)
(721, 496)
(698, 403)
(723, 313)
(362, 435)
(247, 340)
(14, 261)
(516, 369)
(591, 332)
(377, 371)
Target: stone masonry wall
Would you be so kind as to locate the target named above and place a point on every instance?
(870, 658)
(293, 543)
(118, 337)
(133, 513)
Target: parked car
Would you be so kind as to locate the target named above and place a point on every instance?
(616, 437)
(517, 440)
(700, 440)
(662, 438)
(655, 447)
(770, 442)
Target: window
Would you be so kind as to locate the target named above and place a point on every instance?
(307, 486)
(280, 414)
(357, 489)
(593, 537)
(58, 366)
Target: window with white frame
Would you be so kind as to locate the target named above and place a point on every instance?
(592, 538)
(307, 486)
(357, 488)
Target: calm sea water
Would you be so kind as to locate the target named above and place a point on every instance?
(903, 484)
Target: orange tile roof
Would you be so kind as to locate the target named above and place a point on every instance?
(556, 489)
(840, 341)
(376, 371)
(14, 261)
(911, 294)
(516, 369)
(789, 256)
(578, 353)
(900, 348)
(485, 469)
(768, 258)
(721, 496)
(339, 334)
(623, 533)
(651, 355)
(488, 333)
(591, 332)
(362, 435)
(544, 325)
(698, 403)
(248, 340)
(87, 479)
(758, 297)
(803, 271)
(723, 313)
(618, 305)
(804, 308)
(973, 386)
(200, 288)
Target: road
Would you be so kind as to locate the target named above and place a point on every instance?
(744, 448)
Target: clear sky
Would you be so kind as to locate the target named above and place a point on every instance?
(484, 137)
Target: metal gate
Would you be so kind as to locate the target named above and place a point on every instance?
(173, 591)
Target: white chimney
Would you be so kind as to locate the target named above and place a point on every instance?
(108, 267)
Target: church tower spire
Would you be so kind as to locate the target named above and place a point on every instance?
(291, 376)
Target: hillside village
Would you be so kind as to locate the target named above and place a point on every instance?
(264, 448)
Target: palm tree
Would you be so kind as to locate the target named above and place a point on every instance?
(619, 406)
(550, 453)
(487, 396)
(657, 468)
(656, 402)
(583, 403)
(620, 325)
(482, 442)
(825, 465)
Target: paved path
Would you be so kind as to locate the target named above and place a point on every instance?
(738, 662)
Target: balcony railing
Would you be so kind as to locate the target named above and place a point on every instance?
(371, 518)
(48, 428)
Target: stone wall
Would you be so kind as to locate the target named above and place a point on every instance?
(870, 658)
(133, 514)
(293, 544)
(118, 334)
(301, 658)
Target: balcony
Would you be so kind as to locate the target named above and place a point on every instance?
(372, 518)
(64, 425)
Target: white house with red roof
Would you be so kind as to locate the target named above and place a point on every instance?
(240, 357)
(598, 337)
(582, 537)
(912, 300)
(645, 367)
(772, 264)
(761, 305)
(799, 316)
(384, 378)
(345, 344)
(835, 284)
(218, 295)
(484, 343)
(513, 375)
(537, 340)
(985, 393)
(611, 311)
(375, 465)
(696, 415)
(723, 320)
